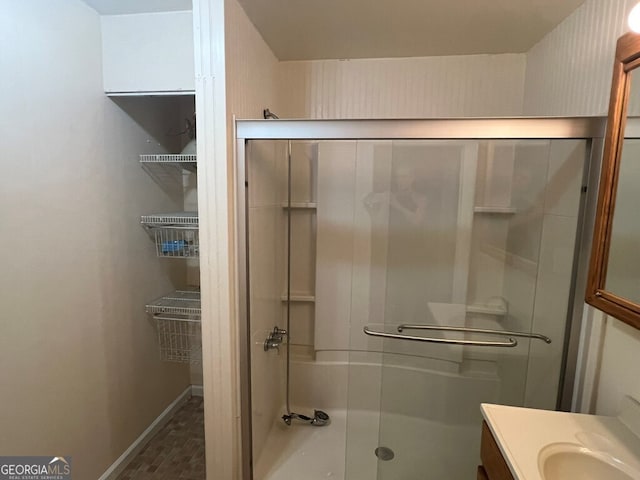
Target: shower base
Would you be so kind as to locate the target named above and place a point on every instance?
(304, 452)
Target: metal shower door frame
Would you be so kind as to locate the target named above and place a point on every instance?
(590, 129)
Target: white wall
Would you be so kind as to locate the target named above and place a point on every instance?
(569, 73)
(455, 86)
(148, 52)
(81, 370)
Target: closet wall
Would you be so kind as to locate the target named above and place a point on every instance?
(82, 374)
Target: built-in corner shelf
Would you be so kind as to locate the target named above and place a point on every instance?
(175, 234)
(300, 205)
(497, 310)
(495, 210)
(298, 298)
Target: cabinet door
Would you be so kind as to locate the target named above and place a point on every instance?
(145, 53)
(492, 460)
(482, 474)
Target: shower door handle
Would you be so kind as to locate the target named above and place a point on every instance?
(511, 342)
(444, 328)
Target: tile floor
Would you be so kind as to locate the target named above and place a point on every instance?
(176, 452)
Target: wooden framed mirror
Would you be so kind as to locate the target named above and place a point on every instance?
(614, 272)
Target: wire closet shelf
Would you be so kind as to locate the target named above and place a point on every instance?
(171, 160)
(175, 234)
(177, 321)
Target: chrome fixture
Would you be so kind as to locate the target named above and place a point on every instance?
(511, 342)
(268, 115)
(274, 339)
(384, 453)
(319, 419)
(538, 336)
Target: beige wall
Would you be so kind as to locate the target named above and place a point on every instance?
(450, 86)
(251, 67)
(251, 79)
(81, 372)
(569, 70)
(569, 73)
(454, 86)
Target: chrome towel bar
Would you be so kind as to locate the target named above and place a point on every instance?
(512, 342)
(544, 338)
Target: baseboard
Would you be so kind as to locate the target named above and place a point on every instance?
(139, 443)
(197, 391)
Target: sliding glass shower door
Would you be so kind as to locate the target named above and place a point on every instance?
(461, 258)
(396, 285)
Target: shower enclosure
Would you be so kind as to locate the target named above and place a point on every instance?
(395, 275)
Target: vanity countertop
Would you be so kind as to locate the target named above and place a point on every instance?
(521, 433)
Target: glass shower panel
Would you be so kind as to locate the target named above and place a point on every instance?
(267, 173)
(449, 234)
(395, 237)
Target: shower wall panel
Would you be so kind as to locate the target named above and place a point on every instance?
(335, 214)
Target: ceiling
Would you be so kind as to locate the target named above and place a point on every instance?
(316, 29)
(122, 7)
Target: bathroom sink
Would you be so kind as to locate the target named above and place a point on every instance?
(572, 461)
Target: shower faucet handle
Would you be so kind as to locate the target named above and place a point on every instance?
(274, 339)
(271, 345)
(279, 331)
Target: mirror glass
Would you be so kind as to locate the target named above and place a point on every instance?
(623, 265)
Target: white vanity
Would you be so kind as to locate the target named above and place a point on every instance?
(528, 444)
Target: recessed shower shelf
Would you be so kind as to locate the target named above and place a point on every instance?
(175, 234)
(300, 206)
(299, 298)
(496, 310)
(497, 210)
